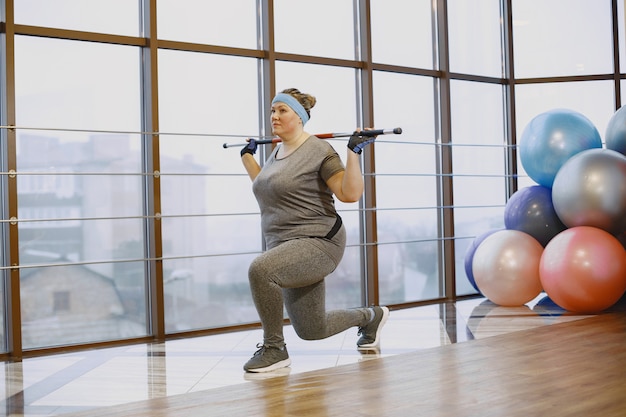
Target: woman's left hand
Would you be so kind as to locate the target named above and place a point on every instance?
(358, 141)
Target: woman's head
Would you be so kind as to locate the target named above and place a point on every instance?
(298, 102)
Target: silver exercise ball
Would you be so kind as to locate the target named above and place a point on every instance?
(590, 190)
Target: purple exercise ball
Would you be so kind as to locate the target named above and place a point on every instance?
(530, 210)
(469, 256)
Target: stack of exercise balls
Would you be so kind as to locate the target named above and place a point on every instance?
(564, 235)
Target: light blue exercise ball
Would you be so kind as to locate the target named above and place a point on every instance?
(551, 138)
(615, 135)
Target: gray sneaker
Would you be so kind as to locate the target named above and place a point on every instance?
(267, 359)
(370, 333)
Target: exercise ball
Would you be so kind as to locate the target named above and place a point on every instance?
(583, 269)
(615, 134)
(506, 267)
(590, 190)
(530, 210)
(551, 138)
(469, 256)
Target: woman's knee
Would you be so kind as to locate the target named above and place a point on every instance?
(306, 334)
(257, 270)
(308, 331)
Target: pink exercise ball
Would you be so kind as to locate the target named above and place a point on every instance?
(583, 269)
(506, 267)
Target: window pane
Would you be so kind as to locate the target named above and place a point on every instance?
(334, 111)
(475, 37)
(207, 94)
(594, 99)
(76, 85)
(479, 187)
(96, 308)
(320, 28)
(214, 22)
(210, 224)
(406, 189)
(562, 37)
(402, 32)
(104, 299)
(119, 17)
(79, 192)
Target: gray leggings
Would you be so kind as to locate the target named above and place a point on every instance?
(292, 274)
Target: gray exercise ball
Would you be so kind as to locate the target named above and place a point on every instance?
(590, 190)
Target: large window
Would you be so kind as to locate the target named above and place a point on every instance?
(84, 84)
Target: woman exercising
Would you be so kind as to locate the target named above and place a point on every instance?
(304, 235)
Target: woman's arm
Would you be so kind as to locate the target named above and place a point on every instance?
(348, 185)
(247, 158)
(251, 165)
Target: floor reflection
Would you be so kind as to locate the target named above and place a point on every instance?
(65, 383)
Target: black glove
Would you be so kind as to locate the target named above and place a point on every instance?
(357, 142)
(249, 148)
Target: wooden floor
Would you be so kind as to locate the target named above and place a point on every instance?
(576, 368)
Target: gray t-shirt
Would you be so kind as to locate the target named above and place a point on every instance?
(294, 199)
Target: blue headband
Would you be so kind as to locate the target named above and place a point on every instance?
(295, 105)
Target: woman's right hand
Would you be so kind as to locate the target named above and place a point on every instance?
(249, 148)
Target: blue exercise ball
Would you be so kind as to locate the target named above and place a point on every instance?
(530, 210)
(551, 138)
(547, 307)
(590, 190)
(469, 256)
(615, 135)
